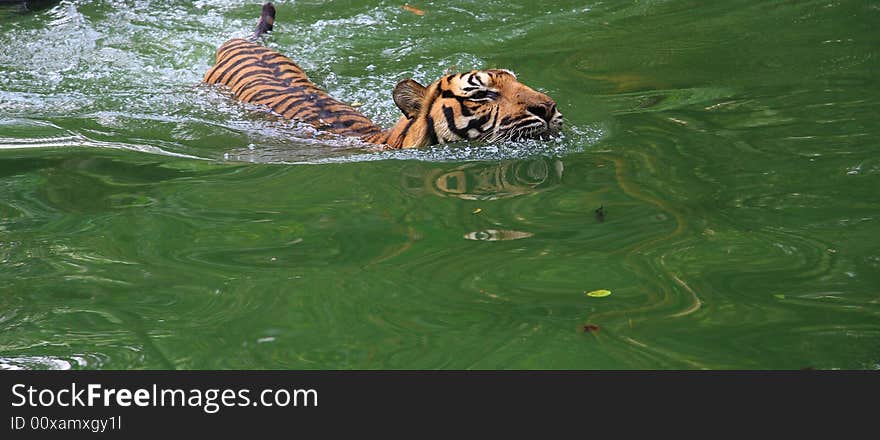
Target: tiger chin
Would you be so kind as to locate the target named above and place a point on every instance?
(480, 105)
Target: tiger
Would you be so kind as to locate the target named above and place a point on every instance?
(479, 105)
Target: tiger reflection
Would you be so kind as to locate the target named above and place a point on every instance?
(486, 181)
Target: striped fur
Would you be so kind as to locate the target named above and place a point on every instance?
(480, 105)
(260, 75)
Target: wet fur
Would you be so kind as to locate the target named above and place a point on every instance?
(481, 105)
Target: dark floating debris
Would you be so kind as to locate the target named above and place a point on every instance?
(590, 328)
(600, 214)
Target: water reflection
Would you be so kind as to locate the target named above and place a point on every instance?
(738, 197)
(484, 181)
(497, 235)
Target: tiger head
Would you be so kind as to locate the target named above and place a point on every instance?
(480, 105)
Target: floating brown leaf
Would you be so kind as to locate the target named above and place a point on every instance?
(414, 10)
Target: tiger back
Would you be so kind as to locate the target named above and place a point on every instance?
(262, 76)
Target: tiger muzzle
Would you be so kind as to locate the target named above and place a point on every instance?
(548, 112)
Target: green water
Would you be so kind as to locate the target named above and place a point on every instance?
(147, 221)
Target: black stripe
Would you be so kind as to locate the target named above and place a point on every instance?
(299, 111)
(315, 102)
(268, 94)
(342, 123)
(237, 44)
(461, 99)
(465, 110)
(475, 123)
(495, 118)
(369, 127)
(510, 120)
(308, 117)
(260, 82)
(227, 59)
(284, 61)
(235, 69)
(259, 71)
(298, 80)
(406, 129)
(432, 134)
(237, 65)
(450, 122)
(338, 113)
(296, 97)
(478, 123)
(264, 62)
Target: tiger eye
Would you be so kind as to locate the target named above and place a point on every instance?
(480, 95)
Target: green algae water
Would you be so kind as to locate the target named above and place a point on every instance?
(718, 173)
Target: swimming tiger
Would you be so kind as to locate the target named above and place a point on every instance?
(479, 105)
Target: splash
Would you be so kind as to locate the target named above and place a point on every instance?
(128, 78)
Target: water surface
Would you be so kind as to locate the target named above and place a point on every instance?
(148, 221)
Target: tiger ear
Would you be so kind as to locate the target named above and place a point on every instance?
(408, 95)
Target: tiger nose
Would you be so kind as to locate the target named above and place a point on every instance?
(545, 110)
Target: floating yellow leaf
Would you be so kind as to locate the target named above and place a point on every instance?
(414, 10)
(599, 293)
(477, 211)
(357, 104)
